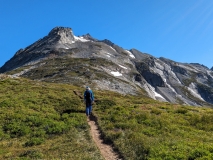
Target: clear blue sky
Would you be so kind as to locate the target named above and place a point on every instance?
(181, 30)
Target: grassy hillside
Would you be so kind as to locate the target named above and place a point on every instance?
(142, 128)
(46, 121)
(34, 123)
(67, 70)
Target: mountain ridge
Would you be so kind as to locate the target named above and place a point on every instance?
(65, 58)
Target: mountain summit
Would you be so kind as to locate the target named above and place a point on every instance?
(61, 35)
(63, 57)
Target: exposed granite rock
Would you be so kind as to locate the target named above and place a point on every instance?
(154, 79)
(108, 42)
(206, 92)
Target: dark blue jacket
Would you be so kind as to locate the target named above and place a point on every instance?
(92, 95)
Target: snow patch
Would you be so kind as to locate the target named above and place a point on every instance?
(130, 54)
(80, 39)
(116, 73)
(122, 66)
(109, 54)
(152, 89)
(112, 48)
(158, 95)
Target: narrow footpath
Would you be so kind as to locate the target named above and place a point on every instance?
(105, 149)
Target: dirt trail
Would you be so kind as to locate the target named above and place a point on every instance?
(105, 149)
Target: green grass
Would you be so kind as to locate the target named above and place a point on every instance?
(145, 129)
(18, 70)
(67, 70)
(41, 120)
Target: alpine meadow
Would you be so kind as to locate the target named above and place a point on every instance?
(145, 108)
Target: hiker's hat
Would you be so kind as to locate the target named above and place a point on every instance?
(87, 88)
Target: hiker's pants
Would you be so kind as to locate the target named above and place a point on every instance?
(88, 108)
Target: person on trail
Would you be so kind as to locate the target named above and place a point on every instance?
(88, 99)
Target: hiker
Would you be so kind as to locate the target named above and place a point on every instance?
(88, 99)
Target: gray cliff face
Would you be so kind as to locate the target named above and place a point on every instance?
(58, 37)
(63, 57)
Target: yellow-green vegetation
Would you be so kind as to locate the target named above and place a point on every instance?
(41, 120)
(67, 70)
(141, 128)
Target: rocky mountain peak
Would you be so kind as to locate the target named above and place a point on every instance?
(108, 42)
(212, 68)
(63, 34)
(60, 30)
(89, 37)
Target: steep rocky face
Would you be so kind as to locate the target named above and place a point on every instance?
(61, 35)
(154, 79)
(57, 39)
(212, 68)
(65, 58)
(206, 92)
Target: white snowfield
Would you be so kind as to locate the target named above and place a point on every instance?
(158, 95)
(122, 66)
(108, 54)
(80, 39)
(152, 93)
(116, 74)
(130, 54)
(155, 93)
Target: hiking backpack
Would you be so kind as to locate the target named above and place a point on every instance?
(88, 96)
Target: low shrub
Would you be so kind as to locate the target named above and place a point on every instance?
(43, 121)
(32, 154)
(181, 111)
(105, 103)
(156, 111)
(34, 141)
(16, 129)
